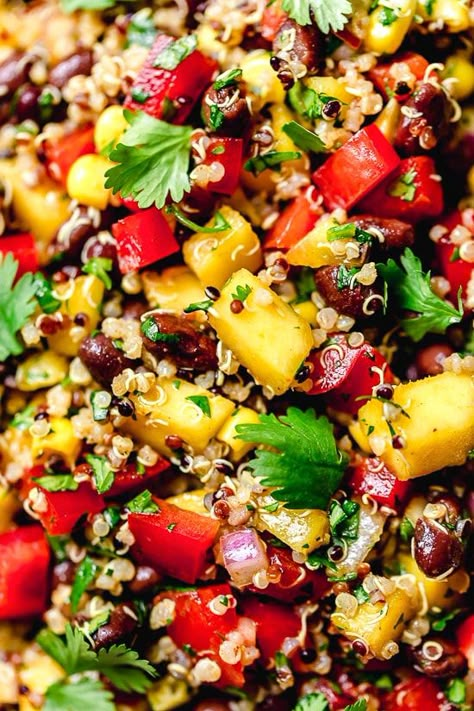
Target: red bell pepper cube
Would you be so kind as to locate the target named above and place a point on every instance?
(24, 567)
(451, 264)
(130, 479)
(174, 541)
(275, 622)
(297, 219)
(61, 154)
(170, 94)
(356, 168)
(349, 38)
(23, 248)
(414, 694)
(345, 373)
(196, 625)
(229, 153)
(272, 19)
(383, 74)
(465, 639)
(412, 193)
(143, 238)
(371, 476)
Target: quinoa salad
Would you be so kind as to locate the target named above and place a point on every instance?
(236, 355)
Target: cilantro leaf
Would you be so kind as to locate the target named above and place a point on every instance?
(64, 696)
(271, 159)
(312, 702)
(44, 294)
(202, 402)
(103, 473)
(220, 223)
(73, 655)
(24, 419)
(304, 139)
(174, 53)
(329, 14)
(411, 290)
(151, 330)
(404, 186)
(153, 159)
(17, 303)
(242, 292)
(143, 503)
(228, 78)
(99, 267)
(124, 668)
(57, 482)
(85, 574)
(204, 305)
(141, 29)
(308, 467)
(73, 5)
(359, 705)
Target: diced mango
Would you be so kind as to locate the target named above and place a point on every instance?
(227, 434)
(179, 408)
(168, 693)
(39, 671)
(379, 623)
(60, 440)
(262, 81)
(215, 257)
(386, 37)
(435, 419)
(453, 13)
(240, 202)
(314, 250)
(307, 310)
(267, 336)
(191, 501)
(41, 370)
(9, 505)
(459, 68)
(440, 594)
(331, 87)
(303, 529)
(82, 295)
(174, 288)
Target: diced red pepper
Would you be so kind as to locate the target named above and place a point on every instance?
(356, 168)
(275, 623)
(297, 219)
(345, 373)
(143, 238)
(228, 152)
(371, 476)
(130, 204)
(174, 541)
(195, 624)
(61, 154)
(24, 567)
(336, 698)
(170, 94)
(415, 694)
(272, 19)
(23, 248)
(465, 639)
(451, 264)
(421, 193)
(129, 478)
(349, 38)
(383, 75)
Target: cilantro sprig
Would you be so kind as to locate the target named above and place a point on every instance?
(307, 468)
(220, 223)
(409, 288)
(152, 161)
(17, 303)
(271, 159)
(78, 694)
(328, 14)
(304, 139)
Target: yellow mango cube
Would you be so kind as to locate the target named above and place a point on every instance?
(386, 38)
(39, 671)
(303, 530)
(262, 81)
(227, 433)
(168, 693)
(309, 311)
(439, 594)
(60, 440)
(191, 501)
(41, 370)
(437, 428)
(267, 336)
(314, 250)
(176, 407)
(174, 288)
(9, 505)
(215, 257)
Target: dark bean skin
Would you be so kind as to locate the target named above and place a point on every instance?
(105, 250)
(145, 580)
(134, 308)
(63, 573)
(103, 360)
(192, 349)
(422, 133)
(236, 117)
(451, 663)
(429, 360)
(74, 241)
(77, 63)
(14, 71)
(27, 106)
(437, 550)
(451, 502)
(397, 234)
(120, 627)
(345, 301)
(308, 46)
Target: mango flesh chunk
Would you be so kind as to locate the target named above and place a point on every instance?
(227, 434)
(60, 440)
(167, 409)
(302, 530)
(174, 288)
(314, 250)
(190, 501)
(437, 428)
(214, 257)
(267, 337)
(439, 594)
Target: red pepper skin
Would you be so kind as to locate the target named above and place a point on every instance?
(297, 219)
(229, 153)
(275, 623)
(272, 19)
(349, 38)
(23, 248)
(174, 541)
(61, 154)
(465, 639)
(452, 266)
(356, 168)
(143, 238)
(129, 479)
(24, 567)
(427, 201)
(385, 83)
(415, 694)
(345, 374)
(195, 624)
(371, 476)
(166, 88)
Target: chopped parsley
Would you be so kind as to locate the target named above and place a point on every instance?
(345, 276)
(151, 330)
(228, 78)
(349, 230)
(388, 16)
(17, 304)
(57, 482)
(304, 139)
(44, 294)
(220, 223)
(308, 102)
(441, 620)
(216, 117)
(404, 186)
(406, 530)
(328, 14)
(204, 305)
(456, 691)
(99, 267)
(103, 473)
(174, 53)
(271, 159)
(141, 30)
(85, 574)
(202, 402)
(242, 293)
(143, 503)
(344, 519)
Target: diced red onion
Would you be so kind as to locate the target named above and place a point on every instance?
(243, 554)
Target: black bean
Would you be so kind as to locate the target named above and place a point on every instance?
(234, 113)
(437, 550)
(14, 72)
(397, 234)
(451, 662)
(103, 360)
(78, 63)
(27, 106)
(307, 47)
(426, 120)
(349, 301)
(187, 347)
(120, 627)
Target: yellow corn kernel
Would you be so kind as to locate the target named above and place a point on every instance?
(86, 178)
(303, 529)
(453, 13)
(168, 693)
(41, 370)
(262, 81)
(459, 68)
(227, 433)
(388, 119)
(82, 295)
(191, 501)
(60, 440)
(470, 180)
(307, 310)
(387, 38)
(215, 257)
(440, 594)
(174, 288)
(109, 128)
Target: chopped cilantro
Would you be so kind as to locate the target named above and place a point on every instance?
(328, 14)
(304, 139)
(228, 78)
(271, 159)
(57, 482)
(141, 29)
(345, 277)
(151, 330)
(216, 117)
(404, 187)
(312, 702)
(103, 473)
(406, 530)
(204, 305)
(85, 574)
(242, 292)
(220, 223)
(174, 53)
(44, 294)
(99, 412)
(202, 402)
